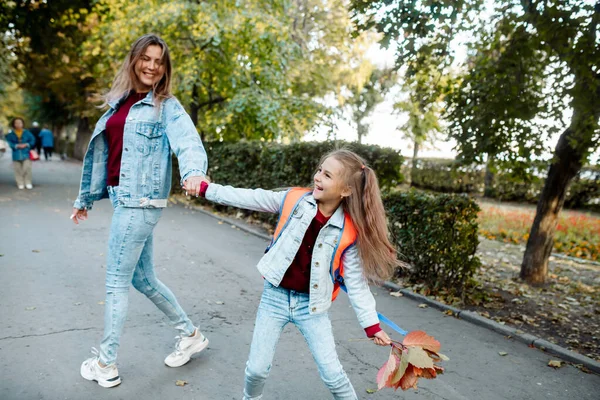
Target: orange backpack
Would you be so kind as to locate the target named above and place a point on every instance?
(346, 239)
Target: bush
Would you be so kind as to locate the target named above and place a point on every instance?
(509, 184)
(437, 236)
(446, 176)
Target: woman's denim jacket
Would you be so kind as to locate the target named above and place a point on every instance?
(277, 260)
(151, 133)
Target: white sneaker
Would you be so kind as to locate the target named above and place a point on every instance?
(21, 187)
(185, 348)
(29, 186)
(106, 377)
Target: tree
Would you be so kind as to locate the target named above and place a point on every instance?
(244, 69)
(424, 106)
(55, 77)
(553, 44)
(365, 98)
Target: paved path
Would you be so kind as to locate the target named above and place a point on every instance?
(52, 276)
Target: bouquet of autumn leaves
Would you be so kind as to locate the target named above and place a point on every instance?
(409, 360)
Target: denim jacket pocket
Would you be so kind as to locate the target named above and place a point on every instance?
(148, 137)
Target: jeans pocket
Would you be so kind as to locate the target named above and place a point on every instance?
(152, 215)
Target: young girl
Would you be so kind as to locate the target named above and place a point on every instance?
(334, 236)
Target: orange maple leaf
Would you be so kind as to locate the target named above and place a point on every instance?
(421, 339)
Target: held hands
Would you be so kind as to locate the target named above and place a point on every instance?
(193, 184)
(382, 339)
(78, 215)
(22, 146)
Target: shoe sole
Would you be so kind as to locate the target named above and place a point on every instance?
(106, 384)
(199, 347)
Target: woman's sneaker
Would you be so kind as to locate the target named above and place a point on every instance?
(106, 377)
(185, 348)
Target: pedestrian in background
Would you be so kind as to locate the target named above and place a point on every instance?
(47, 140)
(35, 130)
(21, 141)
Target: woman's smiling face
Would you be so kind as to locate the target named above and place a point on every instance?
(149, 69)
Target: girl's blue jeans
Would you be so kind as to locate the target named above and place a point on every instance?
(278, 307)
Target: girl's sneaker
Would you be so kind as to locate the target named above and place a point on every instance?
(106, 377)
(185, 348)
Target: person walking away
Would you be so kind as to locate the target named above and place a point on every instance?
(21, 141)
(47, 140)
(35, 130)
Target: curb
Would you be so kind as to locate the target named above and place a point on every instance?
(468, 316)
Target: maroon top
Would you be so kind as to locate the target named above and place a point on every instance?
(297, 276)
(114, 136)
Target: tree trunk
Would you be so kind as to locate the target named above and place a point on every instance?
(82, 140)
(413, 168)
(488, 180)
(541, 239)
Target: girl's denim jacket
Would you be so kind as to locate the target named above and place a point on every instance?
(277, 260)
(152, 132)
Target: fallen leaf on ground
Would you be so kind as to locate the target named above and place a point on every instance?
(423, 305)
(35, 251)
(180, 383)
(555, 363)
(502, 353)
(29, 308)
(371, 391)
(449, 312)
(101, 302)
(219, 303)
(396, 294)
(220, 222)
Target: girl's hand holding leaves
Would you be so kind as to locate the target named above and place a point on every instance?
(410, 360)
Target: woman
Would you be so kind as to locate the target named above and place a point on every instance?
(129, 160)
(21, 141)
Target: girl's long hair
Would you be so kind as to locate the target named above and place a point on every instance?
(126, 79)
(365, 207)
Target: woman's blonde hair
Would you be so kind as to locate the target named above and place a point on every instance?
(366, 210)
(126, 78)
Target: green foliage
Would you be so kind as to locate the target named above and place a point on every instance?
(493, 108)
(244, 69)
(446, 176)
(437, 236)
(46, 46)
(522, 183)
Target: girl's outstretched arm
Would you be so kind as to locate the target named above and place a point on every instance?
(251, 199)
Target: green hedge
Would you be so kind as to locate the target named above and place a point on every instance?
(254, 164)
(437, 236)
(446, 176)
